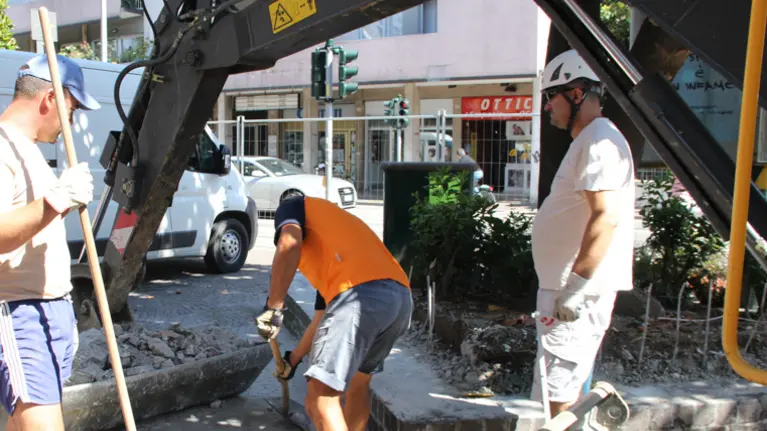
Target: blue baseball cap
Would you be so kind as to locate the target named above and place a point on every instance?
(71, 77)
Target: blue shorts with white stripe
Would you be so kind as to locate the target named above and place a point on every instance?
(38, 340)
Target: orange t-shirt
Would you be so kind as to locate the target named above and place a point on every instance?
(339, 250)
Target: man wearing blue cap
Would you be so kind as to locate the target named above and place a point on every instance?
(38, 330)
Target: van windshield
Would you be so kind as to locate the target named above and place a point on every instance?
(280, 168)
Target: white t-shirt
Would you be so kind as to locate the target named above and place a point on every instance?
(40, 269)
(598, 159)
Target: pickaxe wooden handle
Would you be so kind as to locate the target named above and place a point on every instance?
(90, 243)
(280, 364)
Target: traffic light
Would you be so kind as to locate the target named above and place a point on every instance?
(345, 72)
(319, 80)
(404, 110)
(391, 111)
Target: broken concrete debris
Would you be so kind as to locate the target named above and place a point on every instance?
(143, 350)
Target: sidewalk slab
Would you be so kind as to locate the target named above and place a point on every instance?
(409, 396)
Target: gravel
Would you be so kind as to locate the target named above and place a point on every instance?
(143, 351)
(499, 358)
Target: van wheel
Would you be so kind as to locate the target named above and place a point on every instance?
(227, 249)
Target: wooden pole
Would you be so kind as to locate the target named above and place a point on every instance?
(93, 259)
(280, 364)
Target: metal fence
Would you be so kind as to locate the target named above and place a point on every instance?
(501, 144)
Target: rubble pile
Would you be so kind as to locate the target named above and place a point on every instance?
(143, 350)
(500, 358)
(495, 361)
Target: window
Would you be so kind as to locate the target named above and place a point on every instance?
(280, 168)
(203, 158)
(420, 19)
(251, 170)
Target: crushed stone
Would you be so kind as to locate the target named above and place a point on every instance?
(143, 350)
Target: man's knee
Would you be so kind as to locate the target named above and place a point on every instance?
(359, 386)
(318, 395)
(37, 417)
(564, 379)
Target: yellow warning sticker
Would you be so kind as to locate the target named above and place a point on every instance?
(285, 13)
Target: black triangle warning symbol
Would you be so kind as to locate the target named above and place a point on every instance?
(281, 18)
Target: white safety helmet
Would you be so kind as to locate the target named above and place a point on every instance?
(566, 68)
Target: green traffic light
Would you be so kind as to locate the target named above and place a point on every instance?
(347, 56)
(346, 72)
(347, 88)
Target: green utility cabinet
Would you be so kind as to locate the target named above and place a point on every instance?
(401, 181)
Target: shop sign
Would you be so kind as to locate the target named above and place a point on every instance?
(497, 105)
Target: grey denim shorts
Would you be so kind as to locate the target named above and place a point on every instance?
(358, 330)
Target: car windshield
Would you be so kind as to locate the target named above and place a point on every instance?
(279, 167)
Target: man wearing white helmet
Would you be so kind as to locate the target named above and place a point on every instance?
(583, 234)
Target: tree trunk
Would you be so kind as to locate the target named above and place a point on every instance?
(654, 50)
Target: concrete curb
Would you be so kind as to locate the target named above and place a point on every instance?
(96, 406)
(410, 397)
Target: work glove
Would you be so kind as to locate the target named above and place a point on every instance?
(269, 323)
(570, 303)
(289, 370)
(74, 188)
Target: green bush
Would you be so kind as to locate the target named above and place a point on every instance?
(680, 245)
(466, 250)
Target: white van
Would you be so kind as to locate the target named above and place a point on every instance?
(205, 202)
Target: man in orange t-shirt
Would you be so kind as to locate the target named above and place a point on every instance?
(363, 306)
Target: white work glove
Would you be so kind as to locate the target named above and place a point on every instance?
(269, 323)
(570, 302)
(73, 189)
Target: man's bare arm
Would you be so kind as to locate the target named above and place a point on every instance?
(599, 231)
(21, 224)
(284, 264)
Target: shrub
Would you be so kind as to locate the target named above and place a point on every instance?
(680, 243)
(464, 248)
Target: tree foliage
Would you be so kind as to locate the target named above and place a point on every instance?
(7, 41)
(615, 14)
(92, 51)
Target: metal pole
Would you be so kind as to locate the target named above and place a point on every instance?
(104, 31)
(329, 122)
(441, 125)
(535, 142)
(399, 144)
(241, 142)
